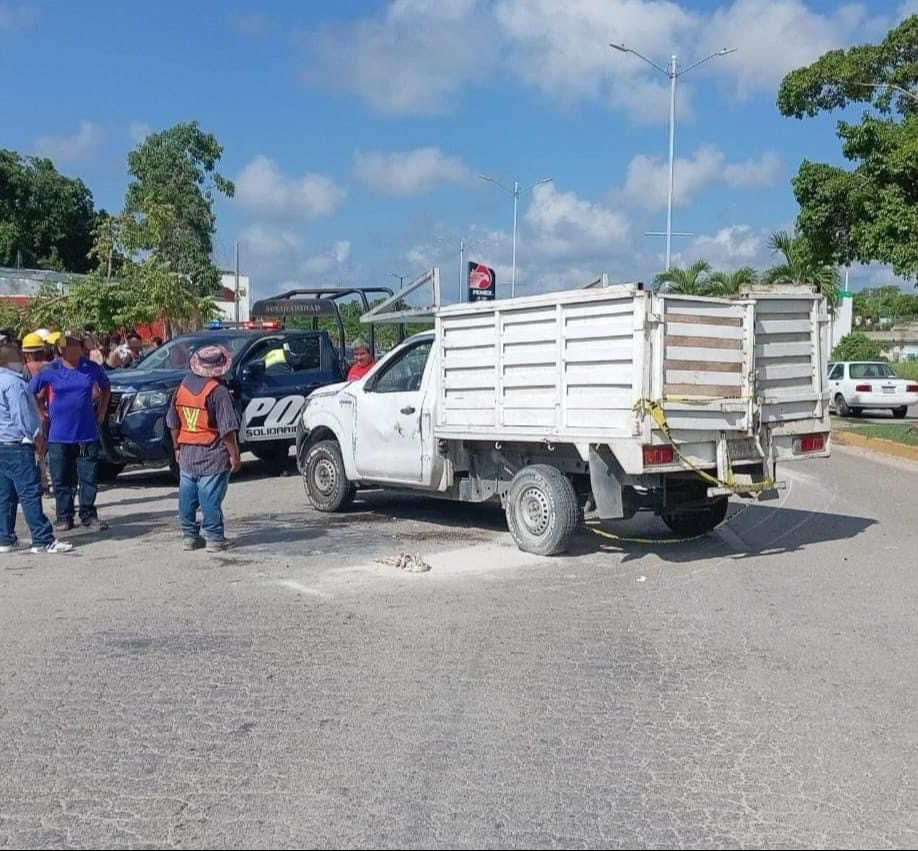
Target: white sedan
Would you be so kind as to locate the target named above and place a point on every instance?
(858, 386)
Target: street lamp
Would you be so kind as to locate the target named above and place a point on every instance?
(673, 72)
(401, 278)
(515, 192)
(462, 246)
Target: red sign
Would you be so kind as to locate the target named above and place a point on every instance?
(482, 282)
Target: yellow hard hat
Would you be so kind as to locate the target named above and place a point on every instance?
(53, 337)
(32, 342)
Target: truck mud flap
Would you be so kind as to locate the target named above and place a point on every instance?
(613, 500)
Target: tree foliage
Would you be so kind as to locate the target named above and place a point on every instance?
(857, 347)
(801, 266)
(177, 169)
(888, 303)
(869, 212)
(689, 280)
(725, 284)
(46, 219)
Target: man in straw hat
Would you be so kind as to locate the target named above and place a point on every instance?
(204, 430)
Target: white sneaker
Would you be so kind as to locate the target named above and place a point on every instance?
(54, 547)
(13, 548)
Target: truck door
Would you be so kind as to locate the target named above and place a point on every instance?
(391, 430)
(276, 377)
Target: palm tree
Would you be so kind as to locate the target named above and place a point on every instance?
(800, 267)
(690, 281)
(725, 284)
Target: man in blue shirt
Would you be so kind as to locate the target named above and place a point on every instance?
(76, 391)
(20, 482)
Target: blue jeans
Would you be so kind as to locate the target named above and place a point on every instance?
(20, 482)
(206, 493)
(72, 464)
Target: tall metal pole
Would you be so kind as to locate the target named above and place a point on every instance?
(237, 281)
(516, 196)
(673, 76)
(461, 264)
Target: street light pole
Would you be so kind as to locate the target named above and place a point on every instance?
(673, 72)
(515, 192)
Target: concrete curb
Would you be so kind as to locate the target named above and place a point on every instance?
(875, 444)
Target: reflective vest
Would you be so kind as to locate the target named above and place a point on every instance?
(196, 426)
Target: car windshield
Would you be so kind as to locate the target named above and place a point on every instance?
(176, 354)
(872, 370)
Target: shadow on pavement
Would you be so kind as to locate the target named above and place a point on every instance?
(758, 530)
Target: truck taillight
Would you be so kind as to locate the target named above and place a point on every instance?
(654, 455)
(911, 388)
(810, 443)
(863, 388)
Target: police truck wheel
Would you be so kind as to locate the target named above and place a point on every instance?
(542, 510)
(324, 477)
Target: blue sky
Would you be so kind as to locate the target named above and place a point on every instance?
(356, 130)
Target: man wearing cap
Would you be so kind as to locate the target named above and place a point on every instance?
(364, 360)
(75, 392)
(20, 435)
(204, 429)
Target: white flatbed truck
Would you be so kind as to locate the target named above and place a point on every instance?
(611, 398)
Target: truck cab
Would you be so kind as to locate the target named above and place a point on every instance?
(273, 372)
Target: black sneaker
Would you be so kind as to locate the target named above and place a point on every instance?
(189, 543)
(63, 524)
(95, 523)
(218, 546)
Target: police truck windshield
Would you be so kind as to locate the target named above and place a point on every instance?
(176, 354)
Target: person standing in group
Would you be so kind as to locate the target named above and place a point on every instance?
(135, 344)
(35, 354)
(75, 392)
(204, 429)
(363, 360)
(21, 433)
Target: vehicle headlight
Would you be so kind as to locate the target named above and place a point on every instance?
(151, 399)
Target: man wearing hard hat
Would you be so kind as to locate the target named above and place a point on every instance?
(35, 353)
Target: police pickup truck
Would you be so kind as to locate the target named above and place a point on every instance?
(273, 372)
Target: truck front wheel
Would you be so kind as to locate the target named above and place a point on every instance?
(325, 479)
(691, 522)
(542, 510)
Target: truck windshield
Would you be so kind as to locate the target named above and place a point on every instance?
(176, 354)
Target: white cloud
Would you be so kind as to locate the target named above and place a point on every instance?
(139, 130)
(335, 258)
(563, 224)
(265, 241)
(254, 23)
(264, 189)
(776, 36)
(647, 178)
(77, 146)
(17, 16)
(408, 172)
(416, 56)
(412, 58)
(729, 248)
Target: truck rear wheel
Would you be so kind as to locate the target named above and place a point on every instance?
(325, 479)
(542, 510)
(690, 522)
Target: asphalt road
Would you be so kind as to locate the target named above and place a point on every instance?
(752, 689)
(880, 417)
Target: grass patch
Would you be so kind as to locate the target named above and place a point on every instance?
(906, 369)
(898, 433)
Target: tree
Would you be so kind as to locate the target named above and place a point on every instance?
(725, 284)
(46, 219)
(693, 280)
(857, 347)
(801, 266)
(177, 169)
(868, 213)
(889, 303)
